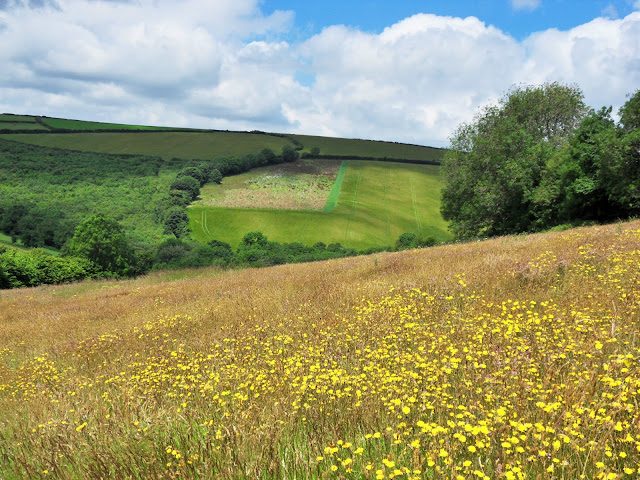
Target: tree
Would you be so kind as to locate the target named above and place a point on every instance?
(215, 176)
(495, 165)
(102, 241)
(289, 154)
(187, 184)
(406, 241)
(630, 113)
(177, 222)
(196, 172)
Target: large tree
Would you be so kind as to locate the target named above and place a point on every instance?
(102, 241)
(495, 165)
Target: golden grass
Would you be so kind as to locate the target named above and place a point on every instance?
(516, 357)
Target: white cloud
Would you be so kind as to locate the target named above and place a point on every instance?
(525, 4)
(223, 65)
(602, 57)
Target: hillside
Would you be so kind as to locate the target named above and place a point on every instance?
(376, 203)
(56, 172)
(186, 143)
(516, 357)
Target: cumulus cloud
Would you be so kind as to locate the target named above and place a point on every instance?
(525, 4)
(224, 64)
(137, 52)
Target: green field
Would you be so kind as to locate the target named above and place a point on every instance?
(85, 125)
(4, 125)
(368, 148)
(188, 145)
(378, 202)
(8, 117)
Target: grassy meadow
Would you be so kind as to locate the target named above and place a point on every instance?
(21, 126)
(8, 117)
(187, 145)
(63, 123)
(513, 358)
(378, 202)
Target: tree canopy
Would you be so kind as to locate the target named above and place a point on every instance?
(539, 158)
(102, 241)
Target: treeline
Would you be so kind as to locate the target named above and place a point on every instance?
(541, 159)
(100, 248)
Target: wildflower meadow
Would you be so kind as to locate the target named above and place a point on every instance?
(513, 358)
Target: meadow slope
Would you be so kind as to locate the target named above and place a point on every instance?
(514, 358)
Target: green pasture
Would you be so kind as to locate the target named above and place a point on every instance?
(8, 117)
(188, 145)
(21, 126)
(368, 148)
(378, 201)
(86, 125)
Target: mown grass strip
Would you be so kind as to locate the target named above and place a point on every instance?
(332, 200)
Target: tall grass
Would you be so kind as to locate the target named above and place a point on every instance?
(511, 358)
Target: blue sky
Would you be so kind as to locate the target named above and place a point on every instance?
(408, 71)
(518, 21)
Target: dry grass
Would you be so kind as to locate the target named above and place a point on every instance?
(511, 358)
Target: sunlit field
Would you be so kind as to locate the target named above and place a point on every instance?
(377, 203)
(515, 358)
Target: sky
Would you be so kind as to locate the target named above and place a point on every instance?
(406, 71)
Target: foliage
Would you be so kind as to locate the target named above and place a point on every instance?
(45, 193)
(410, 240)
(177, 222)
(215, 176)
(194, 172)
(35, 267)
(495, 170)
(630, 113)
(289, 154)
(187, 184)
(102, 241)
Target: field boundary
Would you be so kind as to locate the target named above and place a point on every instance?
(368, 159)
(332, 199)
